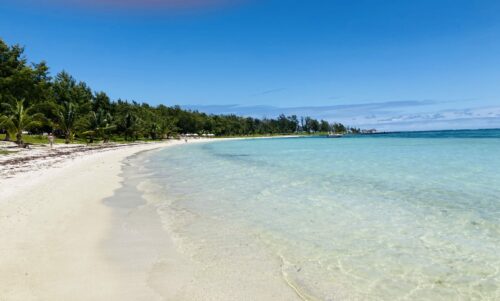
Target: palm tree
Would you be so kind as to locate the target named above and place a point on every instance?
(131, 126)
(99, 124)
(155, 130)
(167, 127)
(67, 117)
(4, 119)
(17, 118)
(5, 124)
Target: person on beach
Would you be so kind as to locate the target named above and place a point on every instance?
(51, 140)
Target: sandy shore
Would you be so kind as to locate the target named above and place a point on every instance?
(52, 225)
(64, 238)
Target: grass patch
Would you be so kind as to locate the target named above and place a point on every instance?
(40, 139)
(6, 153)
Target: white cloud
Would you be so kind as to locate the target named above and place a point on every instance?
(394, 115)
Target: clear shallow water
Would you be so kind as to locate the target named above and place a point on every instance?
(379, 217)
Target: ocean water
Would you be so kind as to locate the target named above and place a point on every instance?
(405, 216)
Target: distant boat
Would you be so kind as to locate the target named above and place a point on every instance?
(335, 136)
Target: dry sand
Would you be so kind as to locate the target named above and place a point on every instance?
(52, 225)
(60, 240)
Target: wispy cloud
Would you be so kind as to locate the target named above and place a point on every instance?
(391, 115)
(325, 111)
(444, 124)
(272, 91)
(448, 119)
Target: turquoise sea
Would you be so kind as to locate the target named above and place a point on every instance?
(400, 216)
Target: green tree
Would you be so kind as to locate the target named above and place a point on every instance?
(98, 126)
(67, 89)
(71, 106)
(168, 127)
(324, 126)
(19, 80)
(101, 101)
(67, 114)
(339, 128)
(155, 130)
(18, 118)
(130, 126)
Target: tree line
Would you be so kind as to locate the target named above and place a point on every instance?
(32, 100)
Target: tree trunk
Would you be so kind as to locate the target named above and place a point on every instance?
(67, 137)
(19, 138)
(7, 136)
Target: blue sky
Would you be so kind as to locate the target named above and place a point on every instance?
(392, 65)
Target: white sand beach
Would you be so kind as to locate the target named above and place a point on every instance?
(60, 241)
(52, 225)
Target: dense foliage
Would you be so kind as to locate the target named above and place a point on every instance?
(32, 100)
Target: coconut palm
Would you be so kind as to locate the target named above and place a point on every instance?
(130, 126)
(67, 115)
(18, 118)
(5, 124)
(99, 124)
(155, 130)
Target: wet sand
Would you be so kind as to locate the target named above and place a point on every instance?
(75, 230)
